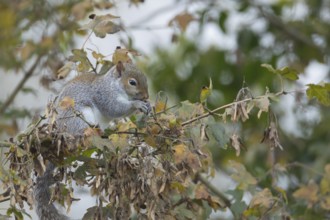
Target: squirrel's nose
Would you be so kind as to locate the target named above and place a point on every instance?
(146, 96)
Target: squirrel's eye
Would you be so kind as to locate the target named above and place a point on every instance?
(132, 82)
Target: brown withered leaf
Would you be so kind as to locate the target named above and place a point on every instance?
(122, 54)
(102, 25)
(136, 2)
(193, 161)
(201, 192)
(182, 20)
(214, 203)
(80, 10)
(236, 143)
(92, 131)
(263, 198)
(308, 192)
(263, 104)
(103, 5)
(325, 203)
(65, 70)
(203, 133)
(271, 136)
(66, 103)
(261, 203)
(242, 107)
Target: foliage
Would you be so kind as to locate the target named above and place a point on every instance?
(162, 163)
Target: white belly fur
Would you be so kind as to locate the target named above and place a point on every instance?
(94, 116)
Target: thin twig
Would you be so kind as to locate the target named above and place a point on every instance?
(42, 117)
(4, 200)
(156, 13)
(290, 31)
(219, 194)
(88, 37)
(298, 164)
(27, 75)
(5, 144)
(214, 110)
(226, 106)
(90, 63)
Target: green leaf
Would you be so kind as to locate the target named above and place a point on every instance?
(320, 92)
(222, 20)
(269, 67)
(241, 175)
(288, 73)
(218, 132)
(106, 66)
(238, 207)
(285, 72)
(29, 90)
(18, 214)
(81, 57)
(89, 152)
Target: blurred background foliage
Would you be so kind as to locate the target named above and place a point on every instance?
(279, 32)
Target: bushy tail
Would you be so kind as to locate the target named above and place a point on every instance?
(44, 208)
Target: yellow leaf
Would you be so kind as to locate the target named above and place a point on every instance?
(27, 50)
(176, 185)
(150, 140)
(46, 42)
(119, 140)
(161, 102)
(180, 153)
(66, 103)
(97, 56)
(325, 182)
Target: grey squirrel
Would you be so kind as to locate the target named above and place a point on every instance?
(100, 98)
(116, 94)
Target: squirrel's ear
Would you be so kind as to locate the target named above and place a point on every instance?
(120, 68)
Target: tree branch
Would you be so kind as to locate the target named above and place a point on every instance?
(213, 111)
(27, 75)
(219, 194)
(290, 31)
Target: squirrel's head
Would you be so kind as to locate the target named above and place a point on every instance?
(133, 80)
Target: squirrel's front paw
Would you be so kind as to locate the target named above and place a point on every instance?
(144, 106)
